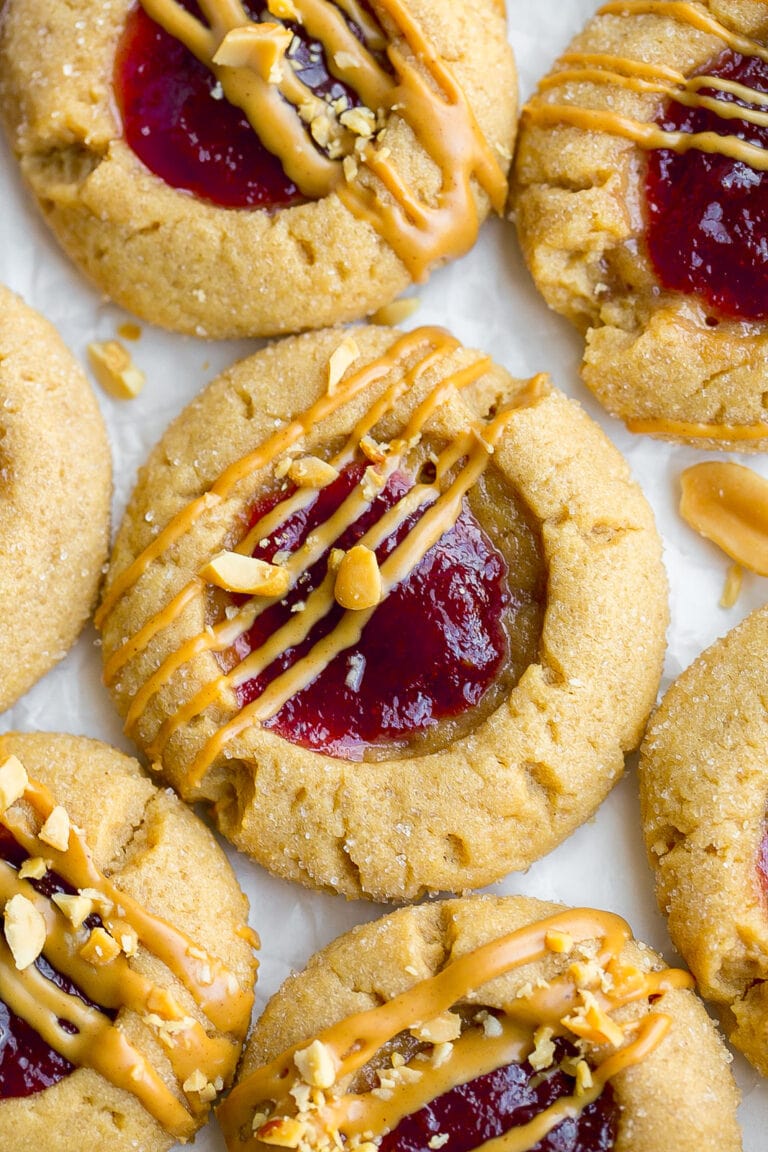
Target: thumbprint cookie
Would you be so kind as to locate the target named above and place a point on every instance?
(394, 614)
(254, 169)
(486, 1023)
(704, 790)
(126, 966)
(642, 211)
(55, 487)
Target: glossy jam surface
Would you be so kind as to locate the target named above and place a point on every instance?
(489, 1106)
(432, 651)
(707, 214)
(177, 123)
(27, 1064)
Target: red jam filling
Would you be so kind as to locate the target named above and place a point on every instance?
(177, 122)
(430, 651)
(508, 1098)
(707, 214)
(27, 1064)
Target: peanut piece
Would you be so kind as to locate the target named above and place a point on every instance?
(311, 472)
(13, 782)
(24, 931)
(238, 573)
(114, 369)
(358, 579)
(55, 831)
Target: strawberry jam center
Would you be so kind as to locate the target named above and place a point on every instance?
(441, 648)
(177, 121)
(708, 214)
(492, 1104)
(27, 1063)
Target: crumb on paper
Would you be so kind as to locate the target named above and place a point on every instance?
(114, 369)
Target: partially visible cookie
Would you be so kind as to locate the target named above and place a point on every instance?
(704, 790)
(457, 1023)
(261, 172)
(395, 614)
(640, 204)
(55, 488)
(126, 965)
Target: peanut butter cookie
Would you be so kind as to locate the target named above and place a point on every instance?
(260, 171)
(394, 614)
(125, 962)
(457, 1024)
(704, 788)
(55, 486)
(640, 202)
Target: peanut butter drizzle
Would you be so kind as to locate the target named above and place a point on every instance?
(225, 634)
(347, 390)
(691, 430)
(115, 984)
(265, 454)
(435, 108)
(352, 1043)
(436, 520)
(602, 68)
(97, 1044)
(474, 444)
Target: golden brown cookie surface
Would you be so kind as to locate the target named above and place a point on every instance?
(416, 990)
(191, 265)
(55, 486)
(517, 779)
(704, 786)
(163, 945)
(661, 358)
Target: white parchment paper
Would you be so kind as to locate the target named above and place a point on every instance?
(488, 300)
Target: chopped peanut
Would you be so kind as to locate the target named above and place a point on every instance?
(238, 573)
(358, 579)
(260, 47)
(583, 1077)
(311, 472)
(559, 942)
(345, 355)
(317, 1064)
(77, 909)
(114, 369)
(285, 1132)
(361, 121)
(33, 868)
(284, 10)
(394, 313)
(100, 948)
(196, 1082)
(24, 931)
(55, 831)
(593, 1023)
(13, 782)
(447, 1026)
(544, 1049)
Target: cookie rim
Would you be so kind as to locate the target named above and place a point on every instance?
(77, 1087)
(722, 939)
(338, 283)
(59, 386)
(658, 315)
(613, 532)
(451, 928)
